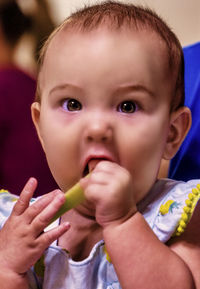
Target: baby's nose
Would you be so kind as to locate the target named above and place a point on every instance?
(99, 129)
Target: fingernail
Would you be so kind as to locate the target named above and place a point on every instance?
(32, 180)
(57, 192)
(60, 196)
(66, 225)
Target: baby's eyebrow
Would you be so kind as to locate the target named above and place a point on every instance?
(136, 88)
(65, 86)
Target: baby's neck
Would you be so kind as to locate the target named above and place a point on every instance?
(82, 236)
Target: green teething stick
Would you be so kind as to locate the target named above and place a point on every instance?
(73, 197)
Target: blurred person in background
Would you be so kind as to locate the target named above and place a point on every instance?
(42, 24)
(21, 155)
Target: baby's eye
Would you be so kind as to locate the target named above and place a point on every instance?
(127, 106)
(71, 104)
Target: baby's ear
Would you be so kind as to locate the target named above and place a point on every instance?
(180, 122)
(35, 113)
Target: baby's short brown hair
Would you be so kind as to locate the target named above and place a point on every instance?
(115, 15)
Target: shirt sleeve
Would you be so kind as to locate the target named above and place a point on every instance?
(7, 202)
(173, 210)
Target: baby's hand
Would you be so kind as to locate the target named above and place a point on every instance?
(109, 188)
(22, 240)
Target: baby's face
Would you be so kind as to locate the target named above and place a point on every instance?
(105, 95)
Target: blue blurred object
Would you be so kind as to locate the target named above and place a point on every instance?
(186, 163)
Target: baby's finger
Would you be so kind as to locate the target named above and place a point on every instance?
(25, 196)
(36, 208)
(50, 236)
(43, 219)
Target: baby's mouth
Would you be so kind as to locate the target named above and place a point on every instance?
(90, 166)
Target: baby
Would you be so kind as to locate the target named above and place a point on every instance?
(110, 102)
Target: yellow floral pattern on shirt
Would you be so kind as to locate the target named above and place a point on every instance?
(188, 209)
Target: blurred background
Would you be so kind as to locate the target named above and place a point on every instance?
(183, 16)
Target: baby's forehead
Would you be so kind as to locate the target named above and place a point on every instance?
(71, 49)
(66, 35)
(68, 42)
